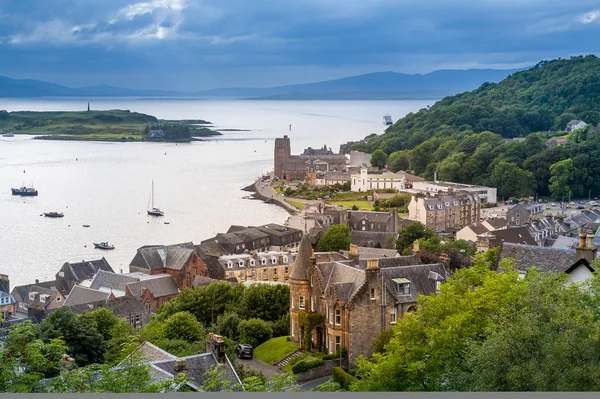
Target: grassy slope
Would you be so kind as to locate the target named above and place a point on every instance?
(274, 350)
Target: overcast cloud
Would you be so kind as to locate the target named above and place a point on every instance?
(198, 44)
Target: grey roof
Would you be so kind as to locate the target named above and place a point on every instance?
(173, 257)
(161, 285)
(20, 292)
(565, 242)
(373, 253)
(37, 302)
(363, 238)
(385, 263)
(477, 228)
(544, 258)
(248, 233)
(121, 307)
(210, 248)
(85, 270)
(112, 281)
(519, 235)
(496, 223)
(302, 262)
(345, 279)
(203, 280)
(422, 280)
(372, 217)
(410, 177)
(273, 229)
(81, 295)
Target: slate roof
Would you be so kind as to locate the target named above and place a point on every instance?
(163, 364)
(154, 257)
(278, 230)
(544, 258)
(422, 280)
(210, 248)
(121, 307)
(519, 235)
(203, 280)
(385, 263)
(372, 217)
(105, 281)
(410, 177)
(565, 242)
(300, 269)
(373, 253)
(82, 295)
(477, 228)
(36, 302)
(497, 223)
(346, 280)
(85, 270)
(161, 285)
(329, 257)
(21, 292)
(363, 238)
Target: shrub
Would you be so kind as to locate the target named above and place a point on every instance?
(343, 378)
(254, 331)
(306, 364)
(281, 327)
(330, 356)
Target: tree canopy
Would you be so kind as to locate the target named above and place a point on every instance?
(337, 238)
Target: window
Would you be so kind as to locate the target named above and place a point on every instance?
(138, 318)
(338, 343)
(338, 317)
(372, 293)
(404, 289)
(263, 261)
(25, 306)
(252, 262)
(285, 259)
(393, 316)
(312, 304)
(32, 295)
(265, 273)
(311, 280)
(301, 301)
(275, 272)
(253, 273)
(241, 263)
(229, 265)
(287, 269)
(274, 261)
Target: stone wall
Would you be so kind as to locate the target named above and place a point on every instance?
(324, 370)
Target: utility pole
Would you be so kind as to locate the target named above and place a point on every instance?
(589, 195)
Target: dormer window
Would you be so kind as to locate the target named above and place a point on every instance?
(455, 202)
(263, 261)
(32, 295)
(241, 263)
(285, 259)
(44, 297)
(402, 286)
(447, 204)
(274, 261)
(252, 262)
(439, 206)
(430, 207)
(229, 264)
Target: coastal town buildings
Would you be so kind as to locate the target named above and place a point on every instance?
(72, 274)
(358, 298)
(365, 180)
(522, 214)
(37, 300)
(445, 212)
(8, 304)
(575, 124)
(295, 167)
(484, 194)
(263, 266)
(376, 221)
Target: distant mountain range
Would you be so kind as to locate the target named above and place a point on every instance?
(380, 85)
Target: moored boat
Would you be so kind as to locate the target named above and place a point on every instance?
(8, 134)
(104, 245)
(53, 214)
(25, 191)
(153, 211)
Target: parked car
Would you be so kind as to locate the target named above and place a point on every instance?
(243, 351)
(553, 204)
(582, 202)
(593, 203)
(572, 203)
(580, 207)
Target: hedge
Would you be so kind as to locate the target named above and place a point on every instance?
(343, 378)
(306, 364)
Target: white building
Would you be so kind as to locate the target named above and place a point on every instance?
(370, 181)
(486, 194)
(574, 125)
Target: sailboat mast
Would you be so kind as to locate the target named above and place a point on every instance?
(152, 194)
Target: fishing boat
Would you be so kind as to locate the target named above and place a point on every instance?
(153, 211)
(53, 214)
(86, 225)
(25, 191)
(103, 245)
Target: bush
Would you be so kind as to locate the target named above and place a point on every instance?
(281, 327)
(343, 378)
(254, 331)
(330, 356)
(306, 364)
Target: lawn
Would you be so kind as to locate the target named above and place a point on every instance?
(274, 350)
(349, 204)
(297, 204)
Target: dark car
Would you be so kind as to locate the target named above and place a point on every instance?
(243, 351)
(581, 207)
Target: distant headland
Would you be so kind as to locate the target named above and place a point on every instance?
(112, 125)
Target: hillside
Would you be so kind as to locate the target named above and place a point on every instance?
(381, 85)
(462, 136)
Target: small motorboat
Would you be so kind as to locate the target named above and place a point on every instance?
(8, 134)
(104, 245)
(86, 225)
(53, 214)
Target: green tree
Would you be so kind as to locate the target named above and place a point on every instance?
(227, 325)
(254, 331)
(561, 178)
(398, 161)
(184, 326)
(512, 181)
(379, 159)
(268, 302)
(410, 233)
(337, 238)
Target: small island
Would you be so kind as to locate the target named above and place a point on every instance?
(112, 125)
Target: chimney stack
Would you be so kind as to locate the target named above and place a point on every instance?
(216, 345)
(181, 366)
(372, 264)
(5, 282)
(354, 254)
(586, 248)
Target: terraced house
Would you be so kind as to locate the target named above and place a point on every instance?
(358, 298)
(445, 212)
(263, 266)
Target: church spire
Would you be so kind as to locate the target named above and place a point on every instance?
(88, 106)
(302, 263)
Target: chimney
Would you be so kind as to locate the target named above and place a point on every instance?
(216, 345)
(5, 282)
(313, 258)
(37, 281)
(445, 259)
(372, 264)
(180, 366)
(354, 254)
(585, 249)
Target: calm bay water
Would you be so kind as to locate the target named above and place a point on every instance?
(197, 185)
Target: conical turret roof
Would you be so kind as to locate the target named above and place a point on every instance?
(300, 271)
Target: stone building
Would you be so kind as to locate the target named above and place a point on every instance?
(358, 298)
(522, 214)
(445, 212)
(7, 302)
(72, 274)
(295, 167)
(181, 261)
(375, 221)
(263, 266)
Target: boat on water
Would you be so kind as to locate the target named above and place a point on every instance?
(86, 225)
(53, 214)
(152, 210)
(103, 245)
(25, 191)
(387, 120)
(8, 134)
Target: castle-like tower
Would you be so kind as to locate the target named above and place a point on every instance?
(300, 287)
(283, 151)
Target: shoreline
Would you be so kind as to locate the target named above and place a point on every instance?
(258, 196)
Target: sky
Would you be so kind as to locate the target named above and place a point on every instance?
(203, 44)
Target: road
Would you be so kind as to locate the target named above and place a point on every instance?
(307, 386)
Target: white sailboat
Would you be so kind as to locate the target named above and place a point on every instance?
(152, 210)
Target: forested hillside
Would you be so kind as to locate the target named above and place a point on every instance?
(462, 137)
